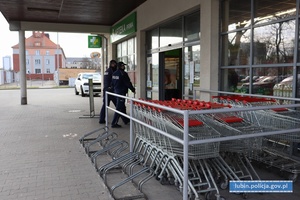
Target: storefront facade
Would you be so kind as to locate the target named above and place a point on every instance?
(231, 45)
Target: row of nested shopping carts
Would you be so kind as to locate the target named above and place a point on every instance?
(279, 151)
(212, 165)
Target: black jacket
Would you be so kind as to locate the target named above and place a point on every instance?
(108, 78)
(121, 82)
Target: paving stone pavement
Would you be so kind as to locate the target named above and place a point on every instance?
(41, 158)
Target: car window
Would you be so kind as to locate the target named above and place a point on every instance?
(91, 76)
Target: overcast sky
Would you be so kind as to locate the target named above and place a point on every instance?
(73, 44)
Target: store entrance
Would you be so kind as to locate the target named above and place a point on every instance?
(171, 74)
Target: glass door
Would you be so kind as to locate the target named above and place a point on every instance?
(171, 81)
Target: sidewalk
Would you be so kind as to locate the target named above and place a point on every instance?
(41, 157)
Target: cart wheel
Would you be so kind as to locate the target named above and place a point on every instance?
(245, 196)
(293, 177)
(163, 180)
(212, 195)
(224, 185)
(221, 198)
(208, 195)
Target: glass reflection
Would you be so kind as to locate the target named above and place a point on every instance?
(236, 48)
(235, 15)
(265, 81)
(274, 43)
(152, 38)
(192, 27)
(171, 33)
(280, 9)
(191, 69)
(234, 78)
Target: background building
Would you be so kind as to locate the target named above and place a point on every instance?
(43, 57)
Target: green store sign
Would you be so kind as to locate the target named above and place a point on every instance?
(126, 27)
(94, 41)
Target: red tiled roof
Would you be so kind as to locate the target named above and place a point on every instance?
(44, 41)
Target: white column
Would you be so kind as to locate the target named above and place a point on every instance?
(209, 66)
(141, 64)
(22, 64)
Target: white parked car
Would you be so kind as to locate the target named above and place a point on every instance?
(82, 83)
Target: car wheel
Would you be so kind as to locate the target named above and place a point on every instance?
(76, 92)
(82, 93)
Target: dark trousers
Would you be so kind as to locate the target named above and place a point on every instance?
(103, 109)
(122, 108)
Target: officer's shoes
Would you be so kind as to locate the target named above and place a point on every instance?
(116, 126)
(102, 122)
(127, 122)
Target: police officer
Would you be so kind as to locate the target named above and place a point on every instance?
(107, 87)
(121, 83)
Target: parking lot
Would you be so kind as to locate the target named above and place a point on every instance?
(41, 157)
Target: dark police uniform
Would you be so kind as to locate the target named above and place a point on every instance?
(107, 87)
(121, 83)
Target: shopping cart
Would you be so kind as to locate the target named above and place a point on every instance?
(171, 166)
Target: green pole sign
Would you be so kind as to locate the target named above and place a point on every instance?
(94, 41)
(124, 28)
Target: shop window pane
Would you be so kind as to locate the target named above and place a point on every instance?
(171, 33)
(191, 69)
(152, 39)
(130, 46)
(131, 63)
(280, 9)
(236, 48)
(152, 76)
(235, 15)
(233, 80)
(124, 48)
(192, 27)
(274, 43)
(119, 50)
(265, 80)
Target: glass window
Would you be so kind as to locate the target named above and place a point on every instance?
(267, 80)
(171, 33)
(47, 53)
(47, 62)
(37, 52)
(37, 71)
(274, 43)
(153, 76)
(236, 48)
(235, 15)
(48, 71)
(191, 68)
(119, 50)
(152, 39)
(192, 27)
(130, 46)
(264, 13)
(124, 48)
(37, 61)
(26, 52)
(235, 80)
(27, 61)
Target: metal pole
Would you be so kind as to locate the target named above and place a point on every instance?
(185, 154)
(131, 126)
(22, 63)
(106, 109)
(91, 93)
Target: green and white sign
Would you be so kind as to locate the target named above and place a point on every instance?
(125, 27)
(94, 41)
